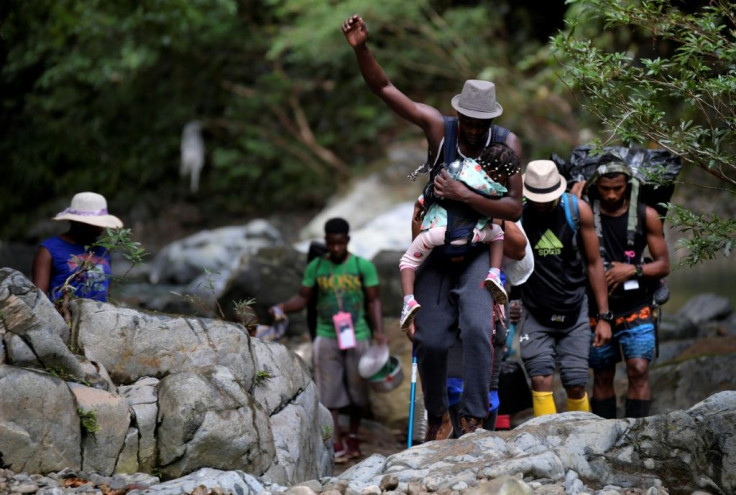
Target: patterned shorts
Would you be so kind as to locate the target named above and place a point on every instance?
(633, 337)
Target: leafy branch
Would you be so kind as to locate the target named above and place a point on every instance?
(112, 240)
(709, 236)
(653, 74)
(634, 95)
(243, 308)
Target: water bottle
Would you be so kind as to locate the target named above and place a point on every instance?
(454, 169)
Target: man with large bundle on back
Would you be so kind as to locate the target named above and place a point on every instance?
(455, 288)
(625, 230)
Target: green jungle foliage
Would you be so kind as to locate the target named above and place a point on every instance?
(662, 72)
(95, 94)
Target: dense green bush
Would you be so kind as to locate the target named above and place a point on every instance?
(657, 74)
(95, 95)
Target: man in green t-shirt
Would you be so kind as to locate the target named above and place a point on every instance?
(346, 288)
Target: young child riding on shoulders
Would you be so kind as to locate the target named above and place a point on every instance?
(487, 175)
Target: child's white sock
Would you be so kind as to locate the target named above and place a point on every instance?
(495, 271)
(408, 297)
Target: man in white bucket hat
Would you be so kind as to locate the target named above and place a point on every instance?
(70, 259)
(455, 286)
(555, 329)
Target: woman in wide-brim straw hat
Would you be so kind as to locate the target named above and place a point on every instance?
(70, 259)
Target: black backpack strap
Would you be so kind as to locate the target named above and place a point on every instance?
(450, 143)
(449, 152)
(359, 266)
(359, 263)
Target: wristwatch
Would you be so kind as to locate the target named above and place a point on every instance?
(639, 271)
(605, 316)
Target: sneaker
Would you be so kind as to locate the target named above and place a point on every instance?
(353, 446)
(407, 313)
(340, 449)
(352, 450)
(493, 283)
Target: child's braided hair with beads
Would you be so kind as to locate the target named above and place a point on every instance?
(499, 162)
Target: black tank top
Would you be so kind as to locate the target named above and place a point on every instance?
(616, 249)
(557, 284)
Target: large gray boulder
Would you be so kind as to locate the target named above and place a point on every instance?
(35, 335)
(39, 425)
(101, 448)
(207, 480)
(280, 375)
(142, 398)
(33, 331)
(705, 307)
(207, 419)
(182, 394)
(295, 446)
(215, 252)
(683, 451)
(695, 317)
(132, 344)
(27, 310)
(691, 378)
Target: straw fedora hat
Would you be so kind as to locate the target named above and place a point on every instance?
(543, 182)
(89, 208)
(477, 100)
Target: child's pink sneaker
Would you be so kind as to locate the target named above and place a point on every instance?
(493, 283)
(407, 313)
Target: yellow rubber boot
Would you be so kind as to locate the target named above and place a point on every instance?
(581, 404)
(543, 402)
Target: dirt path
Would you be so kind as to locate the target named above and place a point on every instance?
(375, 439)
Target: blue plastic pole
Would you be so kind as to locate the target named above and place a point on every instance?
(413, 395)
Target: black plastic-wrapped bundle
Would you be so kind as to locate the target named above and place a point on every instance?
(656, 169)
